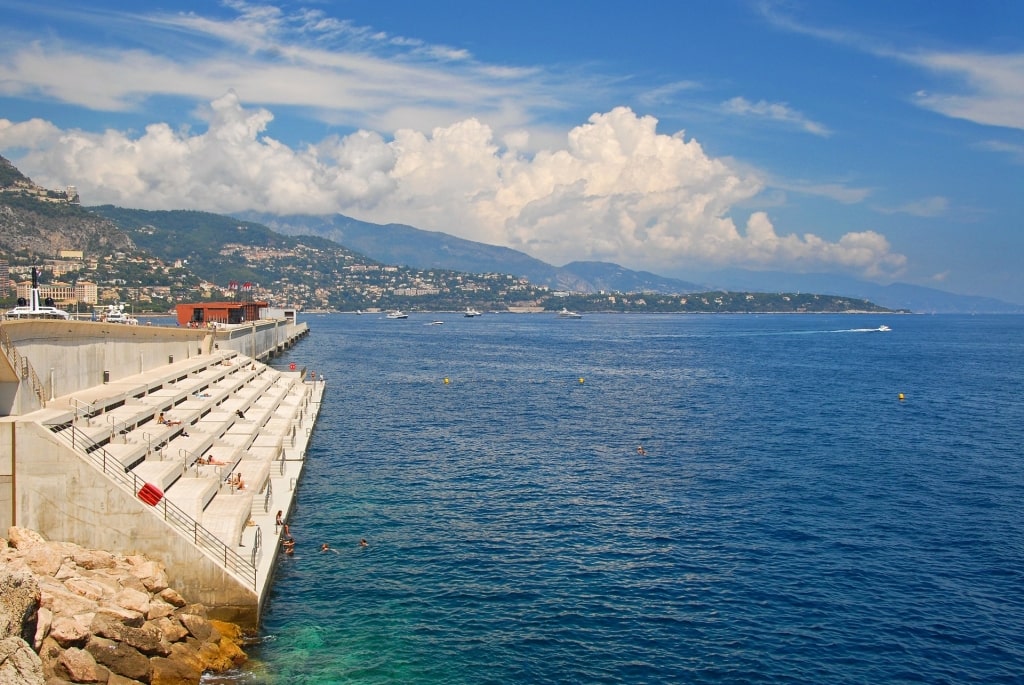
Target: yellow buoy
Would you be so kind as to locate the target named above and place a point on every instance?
(581, 380)
(446, 381)
(900, 396)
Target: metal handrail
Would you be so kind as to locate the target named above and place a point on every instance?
(257, 545)
(268, 496)
(171, 514)
(78, 405)
(185, 454)
(114, 430)
(148, 437)
(27, 372)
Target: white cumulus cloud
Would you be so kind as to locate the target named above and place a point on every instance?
(616, 190)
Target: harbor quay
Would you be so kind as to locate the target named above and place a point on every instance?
(182, 444)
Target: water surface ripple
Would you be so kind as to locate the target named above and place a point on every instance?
(792, 521)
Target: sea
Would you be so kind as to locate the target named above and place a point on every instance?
(815, 501)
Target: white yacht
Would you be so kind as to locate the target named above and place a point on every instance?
(37, 312)
(470, 313)
(31, 309)
(397, 314)
(114, 313)
(566, 314)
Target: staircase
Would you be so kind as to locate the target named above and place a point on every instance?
(227, 420)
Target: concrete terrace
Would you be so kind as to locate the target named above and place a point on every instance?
(226, 458)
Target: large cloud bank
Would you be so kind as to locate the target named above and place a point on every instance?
(618, 190)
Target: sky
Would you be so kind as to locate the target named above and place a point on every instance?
(875, 139)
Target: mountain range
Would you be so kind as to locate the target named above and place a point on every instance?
(417, 248)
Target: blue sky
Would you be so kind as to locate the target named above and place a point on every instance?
(882, 140)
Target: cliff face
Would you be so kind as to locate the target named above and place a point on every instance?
(29, 223)
(69, 614)
(41, 228)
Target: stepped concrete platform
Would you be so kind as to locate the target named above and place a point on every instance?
(84, 460)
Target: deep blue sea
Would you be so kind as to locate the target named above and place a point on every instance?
(792, 520)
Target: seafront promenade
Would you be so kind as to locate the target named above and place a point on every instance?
(186, 458)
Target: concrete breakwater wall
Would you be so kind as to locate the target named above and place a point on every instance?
(47, 359)
(76, 459)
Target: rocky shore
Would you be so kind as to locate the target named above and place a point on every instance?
(75, 615)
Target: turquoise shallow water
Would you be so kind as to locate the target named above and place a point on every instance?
(791, 522)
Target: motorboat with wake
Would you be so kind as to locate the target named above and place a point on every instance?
(566, 314)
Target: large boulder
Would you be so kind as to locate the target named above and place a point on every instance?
(94, 559)
(172, 597)
(99, 617)
(81, 667)
(198, 626)
(19, 602)
(173, 672)
(19, 665)
(69, 631)
(148, 639)
(119, 658)
(44, 621)
(23, 538)
(44, 560)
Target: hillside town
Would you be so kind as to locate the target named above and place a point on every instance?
(77, 282)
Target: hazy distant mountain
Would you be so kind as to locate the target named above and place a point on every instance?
(894, 296)
(608, 276)
(406, 245)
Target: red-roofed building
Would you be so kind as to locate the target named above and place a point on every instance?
(203, 313)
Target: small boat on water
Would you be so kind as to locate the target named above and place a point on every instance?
(566, 314)
(114, 313)
(470, 313)
(397, 314)
(434, 323)
(883, 329)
